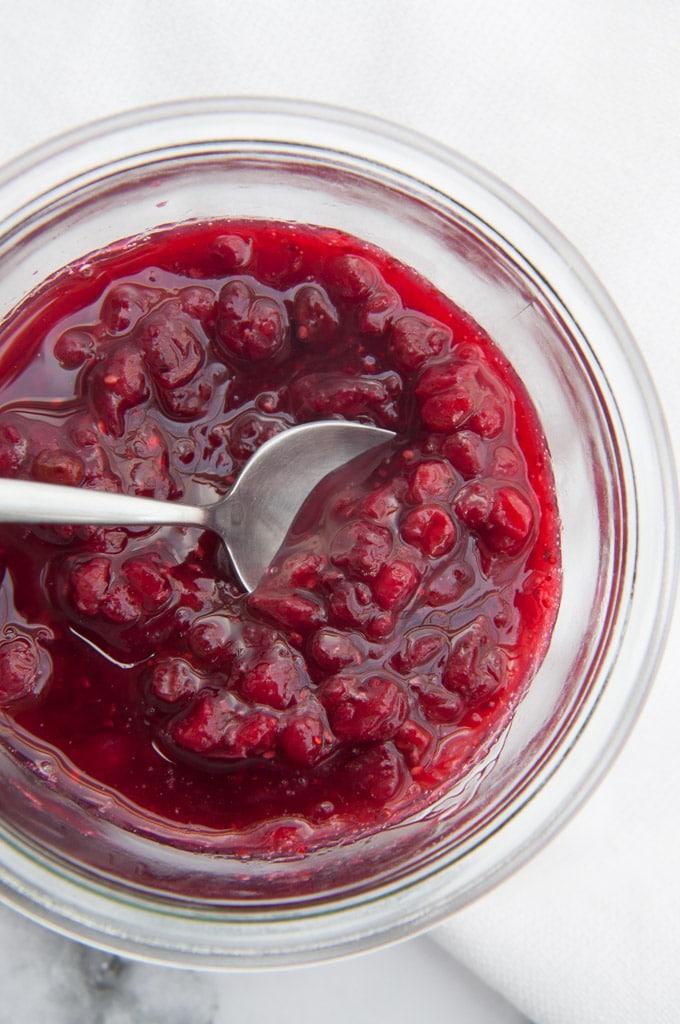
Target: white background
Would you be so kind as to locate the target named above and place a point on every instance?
(575, 104)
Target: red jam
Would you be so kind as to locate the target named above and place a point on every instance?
(386, 648)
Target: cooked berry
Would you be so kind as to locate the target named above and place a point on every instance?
(187, 402)
(121, 604)
(73, 348)
(234, 251)
(173, 680)
(125, 303)
(116, 385)
(249, 326)
(199, 303)
(350, 603)
(333, 650)
(378, 310)
(437, 703)
(476, 667)
(58, 467)
(396, 583)
(429, 528)
(466, 451)
(414, 739)
(354, 277)
(420, 647)
(222, 726)
(415, 339)
(172, 350)
(89, 583)
(278, 680)
(366, 709)
(250, 430)
(318, 395)
(149, 578)
(431, 481)
(13, 448)
(376, 775)
(448, 585)
(315, 320)
(214, 640)
(306, 738)
(20, 670)
(361, 548)
(502, 516)
(297, 611)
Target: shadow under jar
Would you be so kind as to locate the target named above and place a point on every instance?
(94, 865)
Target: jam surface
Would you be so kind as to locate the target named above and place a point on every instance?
(389, 643)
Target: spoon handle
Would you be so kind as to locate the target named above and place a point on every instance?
(25, 501)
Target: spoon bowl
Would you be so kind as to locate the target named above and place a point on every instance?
(252, 520)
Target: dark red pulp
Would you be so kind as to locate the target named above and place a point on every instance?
(387, 646)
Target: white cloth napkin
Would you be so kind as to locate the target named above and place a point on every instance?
(576, 104)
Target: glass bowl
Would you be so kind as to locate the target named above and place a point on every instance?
(66, 861)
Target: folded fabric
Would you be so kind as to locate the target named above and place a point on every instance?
(588, 930)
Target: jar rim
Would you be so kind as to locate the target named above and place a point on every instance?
(205, 938)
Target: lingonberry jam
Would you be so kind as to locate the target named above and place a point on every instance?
(386, 648)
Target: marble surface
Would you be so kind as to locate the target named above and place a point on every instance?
(50, 979)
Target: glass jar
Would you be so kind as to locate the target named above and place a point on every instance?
(66, 859)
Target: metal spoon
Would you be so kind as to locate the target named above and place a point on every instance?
(252, 519)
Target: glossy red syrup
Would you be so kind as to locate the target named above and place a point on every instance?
(389, 643)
